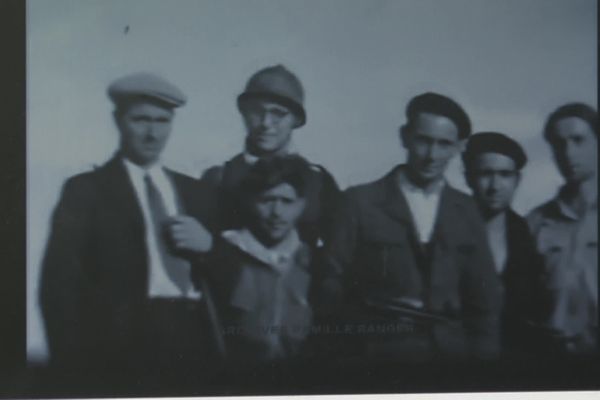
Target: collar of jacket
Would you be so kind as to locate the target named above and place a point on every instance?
(405, 183)
(276, 257)
(451, 207)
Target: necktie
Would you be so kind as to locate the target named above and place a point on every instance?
(177, 269)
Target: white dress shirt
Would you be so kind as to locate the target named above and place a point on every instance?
(423, 204)
(496, 234)
(277, 257)
(159, 283)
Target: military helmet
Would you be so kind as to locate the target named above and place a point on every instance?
(277, 84)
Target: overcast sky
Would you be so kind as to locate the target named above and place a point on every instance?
(509, 63)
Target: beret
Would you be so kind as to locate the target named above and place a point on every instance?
(144, 84)
(438, 104)
(494, 142)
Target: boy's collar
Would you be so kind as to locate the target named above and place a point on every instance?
(276, 256)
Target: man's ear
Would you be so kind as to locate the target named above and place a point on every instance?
(116, 116)
(468, 178)
(297, 123)
(403, 134)
(461, 145)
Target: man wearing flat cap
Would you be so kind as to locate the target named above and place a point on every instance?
(493, 164)
(272, 107)
(116, 290)
(409, 255)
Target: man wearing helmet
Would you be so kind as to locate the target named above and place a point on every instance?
(272, 107)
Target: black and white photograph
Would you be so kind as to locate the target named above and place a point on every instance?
(292, 197)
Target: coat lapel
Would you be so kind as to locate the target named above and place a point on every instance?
(121, 195)
(395, 205)
(179, 188)
(442, 237)
(393, 201)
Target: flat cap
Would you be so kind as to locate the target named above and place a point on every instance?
(148, 85)
(438, 104)
(494, 142)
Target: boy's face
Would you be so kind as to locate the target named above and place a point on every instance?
(276, 211)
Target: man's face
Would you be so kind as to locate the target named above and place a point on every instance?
(575, 148)
(493, 177)
(269, 126)
(145, 128)
(276, 211)
(431, 142)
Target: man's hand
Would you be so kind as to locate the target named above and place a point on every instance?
(187, 234)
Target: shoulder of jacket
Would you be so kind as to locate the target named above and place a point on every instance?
(365, 194)
(460, 196)
(180, 176)
(317, 168)
(539, 213)
(319, 171)
(213, 174)
(366, 189)
(84, 179)
(542, 209)
(463, 200)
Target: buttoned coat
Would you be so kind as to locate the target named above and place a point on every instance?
(372, 254)
(521, 282)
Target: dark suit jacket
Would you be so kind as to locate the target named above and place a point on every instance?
(95, 270)
(322, 195)
(372, 255)
(521, 281)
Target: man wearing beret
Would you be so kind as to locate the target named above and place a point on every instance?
(272, 108)
(408, 264)
(566, 233)
(493, 164)
(116, 290)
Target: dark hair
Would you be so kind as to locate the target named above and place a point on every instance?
(268, 173)
(493, 142)
(579, 110)
(438, 104)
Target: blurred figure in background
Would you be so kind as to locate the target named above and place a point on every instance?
(261, 272)
(493, 164)
(566, 233)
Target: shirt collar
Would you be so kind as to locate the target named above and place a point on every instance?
(564, 209)
(406, 185)
(155, 171)
(275, 256)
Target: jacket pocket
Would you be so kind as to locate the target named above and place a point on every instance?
(378, 259)
(553, 244)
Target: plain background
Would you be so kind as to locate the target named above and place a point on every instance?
(509, 63)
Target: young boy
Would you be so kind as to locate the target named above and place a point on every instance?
(260, 273)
